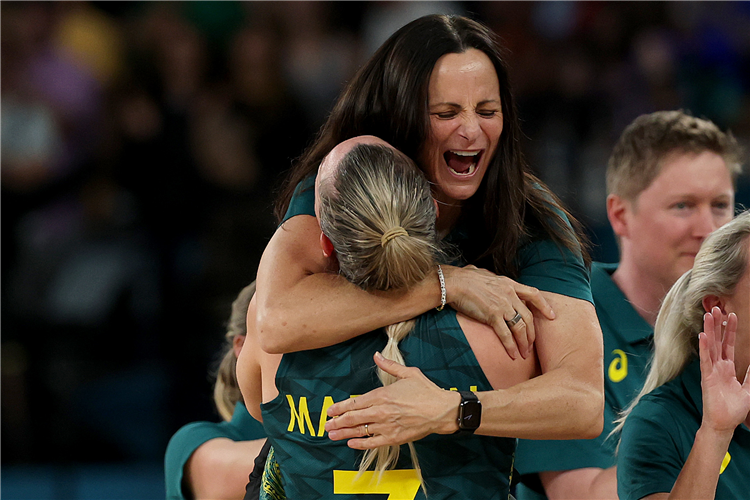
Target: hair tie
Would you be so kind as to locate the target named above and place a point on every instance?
(392, 233)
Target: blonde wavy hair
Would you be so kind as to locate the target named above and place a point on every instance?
(226, 389)
(379, 214)
(719, 266)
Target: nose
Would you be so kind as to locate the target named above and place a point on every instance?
(469, 128)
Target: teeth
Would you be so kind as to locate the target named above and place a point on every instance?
(468, 172)
(465, 153)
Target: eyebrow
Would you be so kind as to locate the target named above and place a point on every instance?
(455, 105)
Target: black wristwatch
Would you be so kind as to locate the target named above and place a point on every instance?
(469, 413)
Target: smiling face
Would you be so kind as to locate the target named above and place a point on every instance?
(663, 229)
(466, 121)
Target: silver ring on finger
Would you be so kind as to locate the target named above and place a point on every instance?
(515, 319)
(367, 431)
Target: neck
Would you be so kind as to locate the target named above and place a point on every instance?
(448, 215)
(643, 292)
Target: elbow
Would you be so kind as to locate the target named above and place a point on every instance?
(584, 406)
(269, 331)
(592, 417)
(595, 427)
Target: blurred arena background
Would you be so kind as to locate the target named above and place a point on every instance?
(141, 146)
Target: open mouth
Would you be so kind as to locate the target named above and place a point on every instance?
(462, 163)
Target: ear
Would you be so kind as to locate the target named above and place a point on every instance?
(617, 211)
(711, 301)
(237, 343)
(326, 245)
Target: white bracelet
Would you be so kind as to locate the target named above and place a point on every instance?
(442, 288)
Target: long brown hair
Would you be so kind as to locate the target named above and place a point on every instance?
(388, 98)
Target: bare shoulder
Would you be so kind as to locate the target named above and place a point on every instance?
(500, 369)
(574, 336)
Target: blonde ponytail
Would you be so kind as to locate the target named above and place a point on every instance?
(385, 457)
(379, 214)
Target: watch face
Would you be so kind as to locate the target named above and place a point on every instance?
(471, 412)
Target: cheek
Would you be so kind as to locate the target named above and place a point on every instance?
(667, 231)
(440, 130)
(493, 130)
(723, 219)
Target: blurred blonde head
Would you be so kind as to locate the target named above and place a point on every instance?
(226, 389)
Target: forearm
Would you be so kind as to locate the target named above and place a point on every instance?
(301, 304)
(567, 400)
(588, 483)
(700, 474)
(554, 405)
(324, 309)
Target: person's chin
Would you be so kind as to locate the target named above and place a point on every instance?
(460, 189)
(460, 193)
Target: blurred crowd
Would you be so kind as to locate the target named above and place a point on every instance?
(142, 144)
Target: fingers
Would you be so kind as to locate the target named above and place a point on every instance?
(521, 335)
(710, 327)
(730, 335)
(506, 337)
(362, 432)
(704, 351)
(515, 329)
(523, 330)
(396, 369)
(719, 324)
(534, 297)
(498, 301)
(351, 424)
(706, 340)
(353, 404)
(520, 326)
(720, 335)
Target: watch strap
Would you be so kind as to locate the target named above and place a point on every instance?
(469, 413)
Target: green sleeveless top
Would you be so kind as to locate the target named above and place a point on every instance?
(313, 466)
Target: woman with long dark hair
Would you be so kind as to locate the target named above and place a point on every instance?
(438, 90)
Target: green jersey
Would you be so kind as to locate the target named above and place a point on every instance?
(313, 466)
(659, 433)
